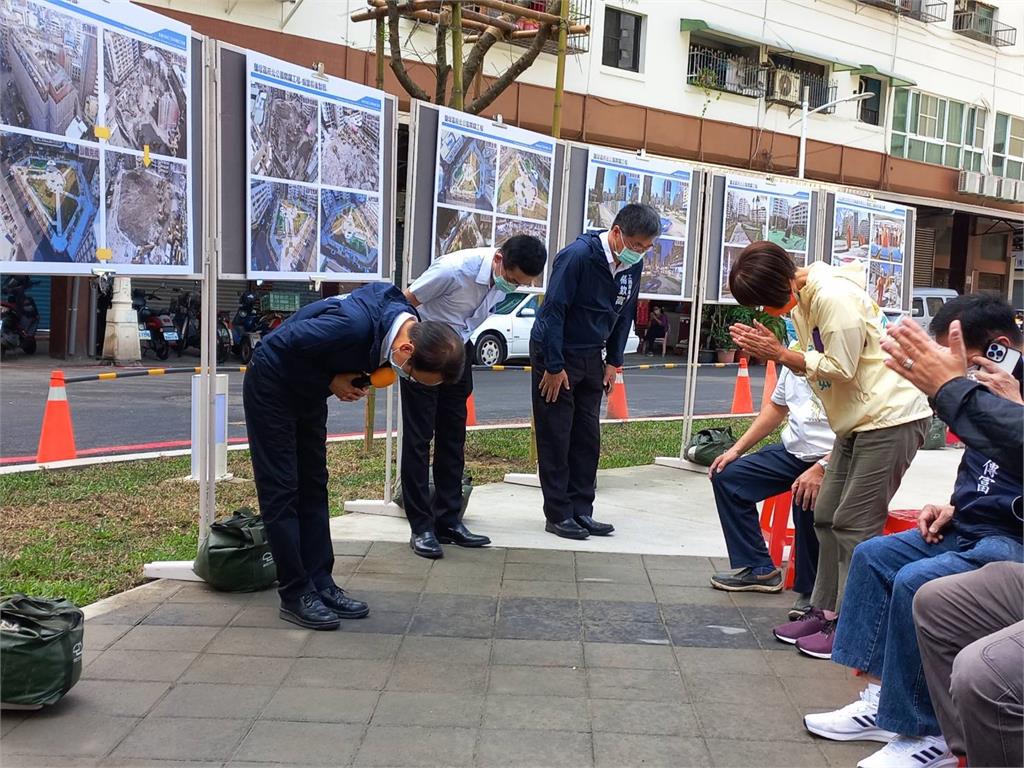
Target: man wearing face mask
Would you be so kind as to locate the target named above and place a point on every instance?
(588, 309)
(459, 290)
(325, 348)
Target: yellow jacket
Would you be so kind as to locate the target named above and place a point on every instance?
(839, 328)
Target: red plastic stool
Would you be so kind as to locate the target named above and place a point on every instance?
(900, 520)
(777, 533)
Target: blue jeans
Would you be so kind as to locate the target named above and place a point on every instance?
(876, 626)
(739, 487)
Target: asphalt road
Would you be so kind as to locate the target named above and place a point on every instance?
(153, 413)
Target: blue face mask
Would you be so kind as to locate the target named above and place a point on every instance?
(503, 285)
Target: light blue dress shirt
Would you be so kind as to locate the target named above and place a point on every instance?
(456, 290)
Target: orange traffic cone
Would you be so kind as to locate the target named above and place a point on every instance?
(57, 438)
(470, 411)
(617, 407)
(770, 380)
(742, 400)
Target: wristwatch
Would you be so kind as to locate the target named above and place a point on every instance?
(823, 463)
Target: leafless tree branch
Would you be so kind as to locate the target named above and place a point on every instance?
(509, 76)
(397, 64)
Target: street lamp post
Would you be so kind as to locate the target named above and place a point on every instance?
(804, 112)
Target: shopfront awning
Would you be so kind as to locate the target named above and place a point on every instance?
(897, 81)
(766, 38)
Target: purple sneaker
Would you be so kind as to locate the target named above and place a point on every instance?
(819, 645)
(812, 622)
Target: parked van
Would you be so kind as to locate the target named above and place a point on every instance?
(927, 302)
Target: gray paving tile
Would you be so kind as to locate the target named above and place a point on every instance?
(414, 745)
(525, 628)
(137, 762)
(612, 559)
(345, 565)
(194, 614)
(149, 637)
(350, 547)
(778, 722)
(459, 710)
(9, 720)
(214, 700)
(761, 621)
(454, 625)
(99, 637)
(538, 607)
(732, 661)
(539, 556)
(596, 590)
(707, 626)
(49, 761)
(659, 718)
(253, 641)
(538, 653)
(540, 571)
(733, 753)
(780, 602)
(321, 705)
(197, 592)
(183, 738)
(624, 632)
(530, 749)
(667, 594)
(843, 755)
(311, 743)
(463, 557)
(129, 613)
(809, 692)
(618, 574)
(540, 713)
(681, 578)
(260, 616)
(620, 610)
(361, 583)
(537, 681)
(410, 565)
(635, 684)
(379, 622)
(675, 563)
(113, 697)
(457, 605)
(438, 678)
(735, 689)
(525, 588)
(628, 656)
(238, 670)
(139, 665)
(357, 674)
(785, 661)
(456, 584)
(83, 733)
(348, 645)
(389, 602)
(617, 750)
(449, 650)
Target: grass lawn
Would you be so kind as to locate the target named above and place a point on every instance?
(85, 533)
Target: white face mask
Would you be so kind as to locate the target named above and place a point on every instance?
(399, 369)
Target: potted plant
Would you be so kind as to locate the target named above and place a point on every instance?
(718, 333)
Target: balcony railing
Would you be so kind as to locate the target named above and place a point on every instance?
(984, 28)
(579, 17)
(717, 70)
(786, 86)
(921, 10)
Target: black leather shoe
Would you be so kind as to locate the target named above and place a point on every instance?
(309, 611)
(595, 528)
(345, 607)
(426, 545)
(567, 529)
(461, 535)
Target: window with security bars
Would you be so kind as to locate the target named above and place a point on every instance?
(933, 129)
(623, 38)
(1008, 147)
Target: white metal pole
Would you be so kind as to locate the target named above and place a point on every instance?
(803, 130)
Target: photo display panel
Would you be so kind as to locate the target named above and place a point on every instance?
(315, 157)
(756, 209)
(492, 181)
(617, 178)
(873, 234)
(95, 122)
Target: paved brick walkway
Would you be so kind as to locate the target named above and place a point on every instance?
(486, 658)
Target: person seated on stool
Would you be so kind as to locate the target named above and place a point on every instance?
(589, 306)
(655, 331)
(739, 482)
(323, 349)
(459, 290)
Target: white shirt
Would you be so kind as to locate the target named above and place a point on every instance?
(807, 434)
(396, 326)
(456, 290)
(611, 256)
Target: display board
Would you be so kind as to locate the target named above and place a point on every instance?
(874, 234)
(95, 139)
(315, 159)
(492, 181)
(759, 209)
(617, 178)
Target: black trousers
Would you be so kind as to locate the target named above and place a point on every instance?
(438, 414)
(569, 435)
(288, 445)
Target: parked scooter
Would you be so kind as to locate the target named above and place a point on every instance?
(184, 312)
(19, 316)
(156, 330)
(249, 326)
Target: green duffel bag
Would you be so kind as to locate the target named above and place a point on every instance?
(236, 557)
(935, 437)
(467, 489)
(708, 444)
(40, 650)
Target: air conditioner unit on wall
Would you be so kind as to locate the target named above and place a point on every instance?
(970, 183)
(1010, 189)
(990, 186)
(785, 87)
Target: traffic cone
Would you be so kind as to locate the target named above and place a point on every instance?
(742, 400)
(770, 380)
(57, 438)
(617, 407)
(470, 411)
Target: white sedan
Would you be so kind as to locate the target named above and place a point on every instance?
(506, 333)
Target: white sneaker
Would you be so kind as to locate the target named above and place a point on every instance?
(854, 722)
(912, 752)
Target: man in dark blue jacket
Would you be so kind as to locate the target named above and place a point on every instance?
(589, 307)
(319, 351)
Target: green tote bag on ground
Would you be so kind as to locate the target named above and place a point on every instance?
(236, 556)
(40, 650)
(708, 444)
